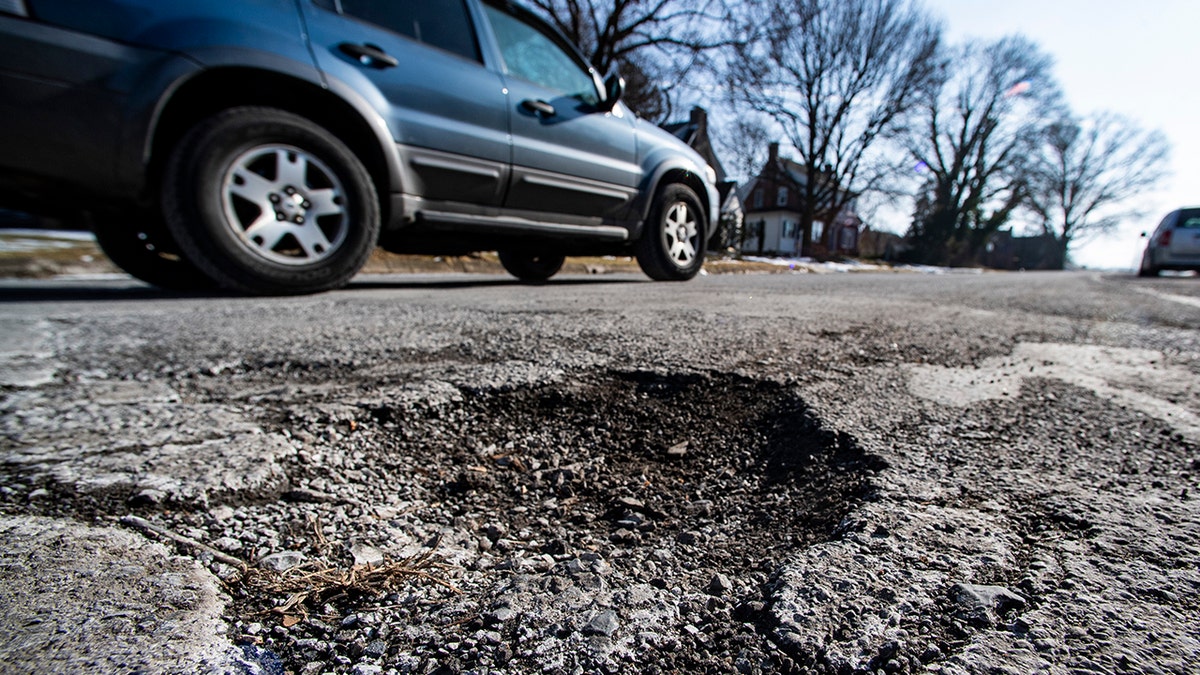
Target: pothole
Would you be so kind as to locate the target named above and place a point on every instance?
(635, 459)
(601, 522)
(623, 520)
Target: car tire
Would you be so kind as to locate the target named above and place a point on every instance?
(529, 266)
(673, 241)
(141, 246)
(266, 202)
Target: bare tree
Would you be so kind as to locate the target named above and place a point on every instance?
(980, 118)
(655, 43)
(837, 77)
(1085, 173)
(743, 141)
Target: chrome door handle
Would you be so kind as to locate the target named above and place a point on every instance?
(538, 107)
(369, 55)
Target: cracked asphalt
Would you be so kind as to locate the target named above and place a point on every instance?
(822, 473)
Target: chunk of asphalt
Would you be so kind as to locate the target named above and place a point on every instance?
(603, 623)
(980, 604)
(81, 599)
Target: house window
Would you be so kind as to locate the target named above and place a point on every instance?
(758, 199)
(781, 197)
(789, 229)
(849, 234)
(818, 231)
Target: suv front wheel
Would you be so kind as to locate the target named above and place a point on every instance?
(673, 241)
(264, 201)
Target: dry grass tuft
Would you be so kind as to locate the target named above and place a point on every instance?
(318, 581)
(313, 583)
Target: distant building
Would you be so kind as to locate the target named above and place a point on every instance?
(1004, 251)
(773, 204)
(694, 132)
(880, 245)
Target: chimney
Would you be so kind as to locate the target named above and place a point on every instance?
(699, 118)
(772, 153)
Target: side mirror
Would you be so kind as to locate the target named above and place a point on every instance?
(614, 89)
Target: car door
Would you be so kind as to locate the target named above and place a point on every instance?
(49, 74)
(569, 155)
(446, 110)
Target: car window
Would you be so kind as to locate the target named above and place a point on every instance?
(533, 55)
(1189, 220)
(440, 23)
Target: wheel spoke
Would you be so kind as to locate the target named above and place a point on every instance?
(325, 203)
(292, 168)
(251, 187)
(676, 215)
(312, 240)
(266, 232)
(683, 251)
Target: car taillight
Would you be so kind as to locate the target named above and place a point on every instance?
(1164, 239)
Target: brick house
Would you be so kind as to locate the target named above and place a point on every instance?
(773, 205)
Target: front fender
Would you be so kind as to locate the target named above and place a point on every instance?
(675, 169)
(179, 75)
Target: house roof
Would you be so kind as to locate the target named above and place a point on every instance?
(794, 171)
(744, 190)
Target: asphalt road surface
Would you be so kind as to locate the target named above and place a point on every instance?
(824, 473)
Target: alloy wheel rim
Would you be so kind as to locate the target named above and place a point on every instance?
(285, 205)
(682, 234)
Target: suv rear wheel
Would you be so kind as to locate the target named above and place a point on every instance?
(528, 266)
(673, 242)
(264, 201)
(140, 245)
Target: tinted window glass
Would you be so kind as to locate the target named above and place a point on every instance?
(440, 23)
(1189, 220)
(535, 56)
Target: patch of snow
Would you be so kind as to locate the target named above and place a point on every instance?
(25, 240)
(806, 264)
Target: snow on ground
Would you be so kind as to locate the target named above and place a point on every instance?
(24, 241)
(811, 265)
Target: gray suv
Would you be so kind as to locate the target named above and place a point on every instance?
(267, 146)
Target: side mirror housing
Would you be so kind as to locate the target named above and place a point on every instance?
(614, 89)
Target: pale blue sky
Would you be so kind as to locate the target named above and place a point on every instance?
(1140, 58)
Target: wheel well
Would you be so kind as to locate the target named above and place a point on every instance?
(211, 92)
